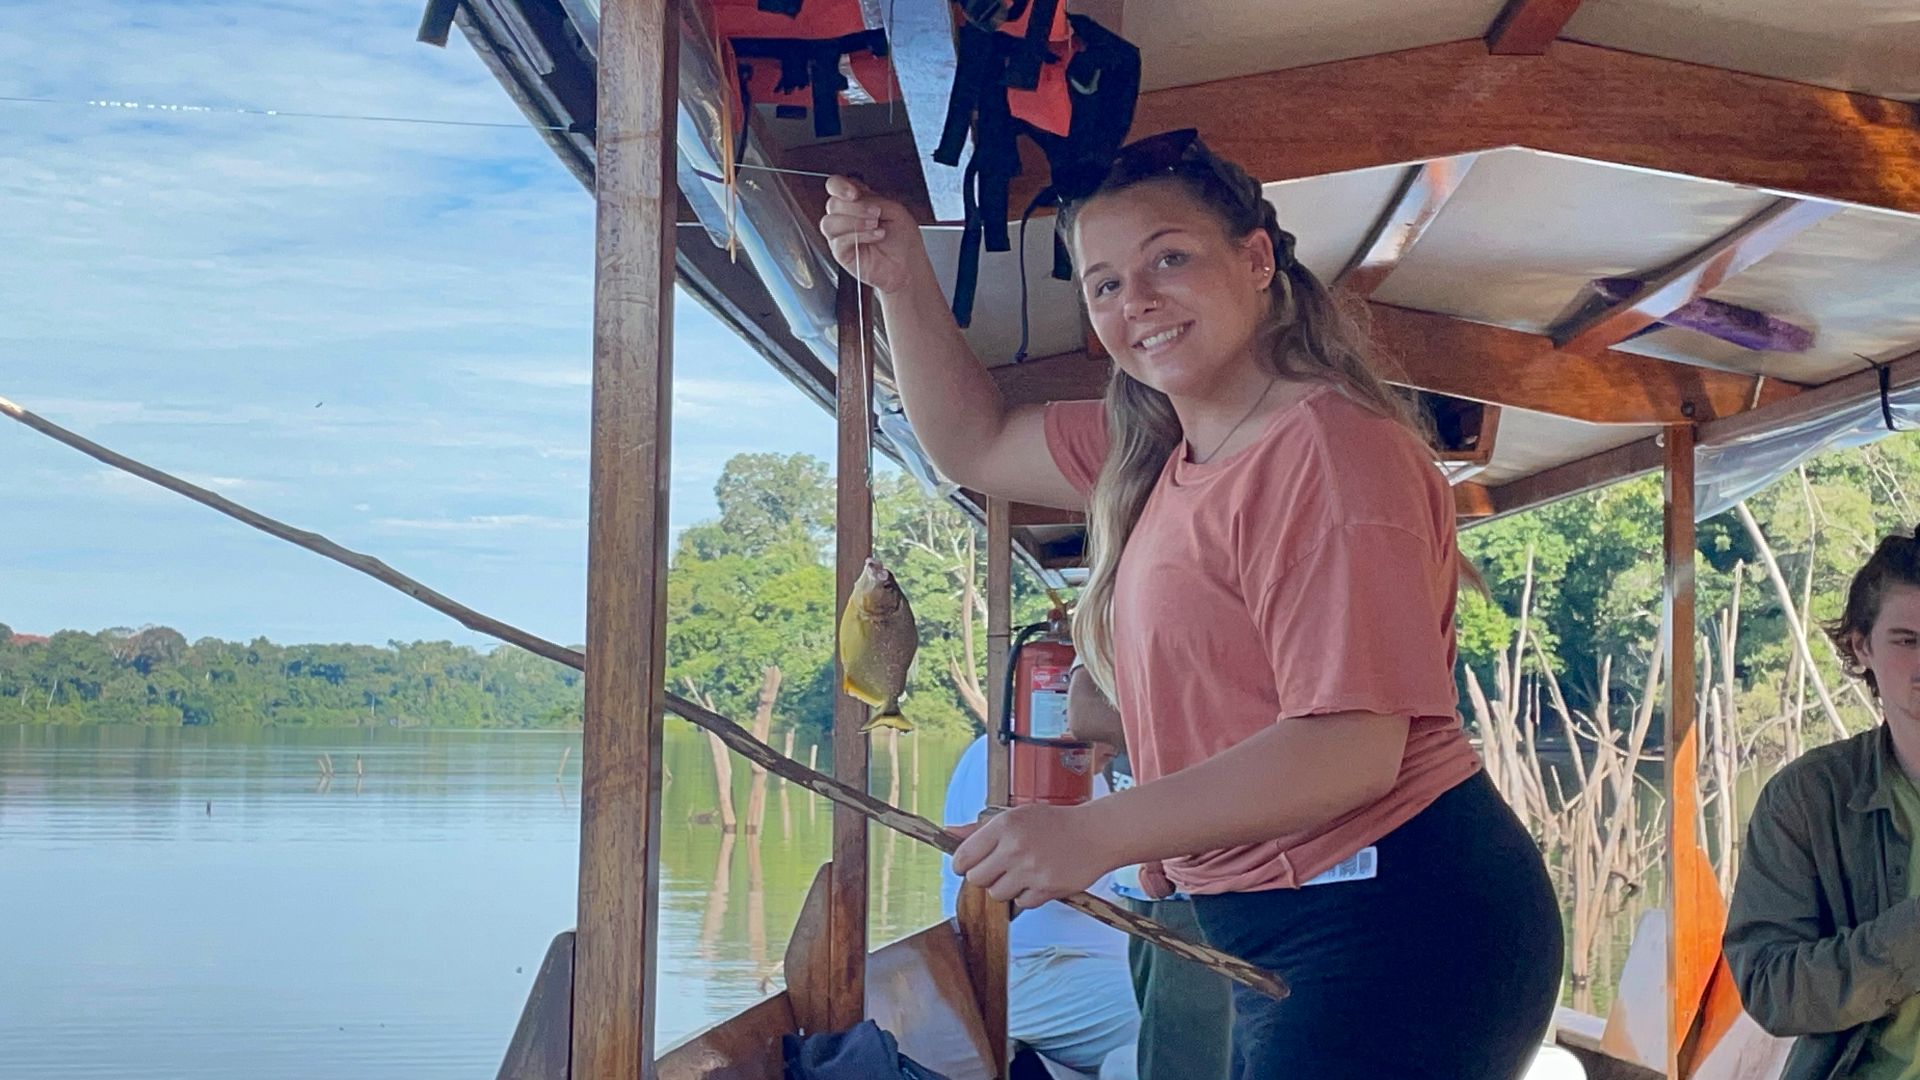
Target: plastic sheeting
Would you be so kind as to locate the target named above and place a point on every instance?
(766, 226)
(893, 424)
(1730, 472)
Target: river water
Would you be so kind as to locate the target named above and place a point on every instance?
(206, 905)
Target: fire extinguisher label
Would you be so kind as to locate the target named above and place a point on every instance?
(1049, 711)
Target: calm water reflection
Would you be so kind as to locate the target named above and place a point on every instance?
(200, 904)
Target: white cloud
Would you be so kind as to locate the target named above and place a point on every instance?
(549, 376)
(326, 317)
(704, 398)
(114, 482)
(85, 413)
(483, 523)
(232, 228)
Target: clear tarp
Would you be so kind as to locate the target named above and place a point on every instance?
(1730, 472)
(766, 226)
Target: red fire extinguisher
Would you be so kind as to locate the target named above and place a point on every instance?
(1047, 767)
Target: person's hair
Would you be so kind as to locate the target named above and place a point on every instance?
(1895, 562)
(1305, 335)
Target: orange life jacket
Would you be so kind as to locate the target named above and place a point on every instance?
(1026, 67)
(788, 53)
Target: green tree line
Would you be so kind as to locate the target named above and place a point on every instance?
(751, 589)
(155, 676)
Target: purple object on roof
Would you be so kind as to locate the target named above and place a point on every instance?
(1742, 326)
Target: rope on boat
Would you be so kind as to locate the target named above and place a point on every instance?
(737, 738)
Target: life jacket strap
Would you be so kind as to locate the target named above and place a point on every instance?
(990, 65)
(1034, 49)
(810, 64)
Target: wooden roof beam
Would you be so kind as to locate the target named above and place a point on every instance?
(1444, 355)
(1636, 458)
(1472, 501)
(1527, 27)
(1030, 515)
(1579, 100)
(1421, 197)
(1693, 277)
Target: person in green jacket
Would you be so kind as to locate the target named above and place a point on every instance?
(1823, 932)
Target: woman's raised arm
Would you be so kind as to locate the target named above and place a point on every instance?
(956, 410)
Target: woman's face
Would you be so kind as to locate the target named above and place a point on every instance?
(1174, 299)
(1892, 653)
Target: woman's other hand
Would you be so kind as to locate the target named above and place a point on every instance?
(891, 255)
(1031, 854)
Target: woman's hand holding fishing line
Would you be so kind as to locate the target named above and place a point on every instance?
(891, 256)
(1032, 854)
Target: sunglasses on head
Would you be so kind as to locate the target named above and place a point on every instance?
(1145, 159)
(1139, 160)
(1133, 162)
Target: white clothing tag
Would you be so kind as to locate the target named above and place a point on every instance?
(1362, 865)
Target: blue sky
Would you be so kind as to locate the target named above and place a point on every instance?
(377, 331)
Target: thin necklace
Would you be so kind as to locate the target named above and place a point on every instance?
(1236, 427)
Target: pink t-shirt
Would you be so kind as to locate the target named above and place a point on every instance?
(1312, 572)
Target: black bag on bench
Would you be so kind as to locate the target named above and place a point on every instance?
(863, 1052)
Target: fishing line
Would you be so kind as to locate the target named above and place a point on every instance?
(866, 367)
(705, 175)
(149, 106)
(215, 110)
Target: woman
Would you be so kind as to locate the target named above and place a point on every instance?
(1271, 607)
(1823, 932)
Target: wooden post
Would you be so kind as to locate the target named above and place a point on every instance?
(847, 897)
(1693, 904)
(620, 758)
(984, 923)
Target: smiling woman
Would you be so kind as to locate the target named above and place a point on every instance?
(1270, 605)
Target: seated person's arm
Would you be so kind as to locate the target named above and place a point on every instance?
(1792, 979)
(1090, 716)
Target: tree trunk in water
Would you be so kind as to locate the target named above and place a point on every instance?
(722, 764)
(762, 729)
(966, 677)
(1795, 626)
(713, 920)
(786, 803)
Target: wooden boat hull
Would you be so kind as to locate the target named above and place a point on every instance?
(917, 989)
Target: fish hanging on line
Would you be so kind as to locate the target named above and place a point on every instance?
(878, 639)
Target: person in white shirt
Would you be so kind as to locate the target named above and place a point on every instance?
(1069, 990)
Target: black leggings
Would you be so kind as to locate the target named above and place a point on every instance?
(1445, 966)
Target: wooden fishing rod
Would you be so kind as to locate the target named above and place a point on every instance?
(737, 738)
